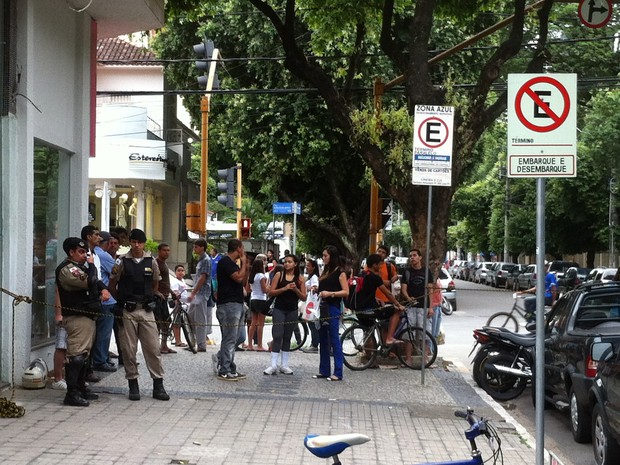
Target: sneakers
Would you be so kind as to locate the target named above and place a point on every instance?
(215, 363)
(238, 375)
(60, 385)
(228, 377)
(286, 371)
(271, 371)
(310, 350)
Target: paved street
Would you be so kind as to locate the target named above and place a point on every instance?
(260, 420)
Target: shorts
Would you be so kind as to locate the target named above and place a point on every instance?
(61, 337)
(259, 306)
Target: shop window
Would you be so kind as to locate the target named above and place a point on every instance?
(46, 253)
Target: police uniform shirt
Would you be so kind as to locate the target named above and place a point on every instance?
(117, 269)
(73, 277)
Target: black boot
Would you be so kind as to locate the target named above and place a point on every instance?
(159, 392)
(85, 391)
(134, 390)
(72, 374)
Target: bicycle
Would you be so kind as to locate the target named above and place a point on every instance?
(181, 318)
(363, 342)
(329, 446)
(507, 319)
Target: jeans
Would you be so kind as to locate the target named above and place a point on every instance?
(103, 333)
(198, 314)
(329, 337)
(283, 325)
(314, 333)
(230, 316)
(436, 321)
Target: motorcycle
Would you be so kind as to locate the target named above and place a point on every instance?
(504, 361)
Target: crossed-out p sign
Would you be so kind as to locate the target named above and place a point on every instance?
(542, 125)
(432, 145)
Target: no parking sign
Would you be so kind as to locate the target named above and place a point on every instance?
(432, 145)
(542, 125)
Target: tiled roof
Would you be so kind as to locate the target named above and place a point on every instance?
(117, 51)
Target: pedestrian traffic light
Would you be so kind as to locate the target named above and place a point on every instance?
(204, 53)
(246, 228)
(226, 186)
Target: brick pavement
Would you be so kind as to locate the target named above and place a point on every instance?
(260, 420)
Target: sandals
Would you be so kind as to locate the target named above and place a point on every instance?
(168, 351)
(334, 378)
(180, 344)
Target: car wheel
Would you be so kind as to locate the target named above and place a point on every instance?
(580, 420)
(606, 449)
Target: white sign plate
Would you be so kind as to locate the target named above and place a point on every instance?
(542, 125)
(432, 145)
(595, 13)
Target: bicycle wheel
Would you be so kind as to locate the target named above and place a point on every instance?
(359, 347)
(503, 320)
(410, 353)
(300, 334)
(346, 322)
(188, 331)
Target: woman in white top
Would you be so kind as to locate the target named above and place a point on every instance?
(258, 303)
(312, 285)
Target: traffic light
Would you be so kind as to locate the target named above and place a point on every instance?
(226, 186)
(204, 53)
(246, 228)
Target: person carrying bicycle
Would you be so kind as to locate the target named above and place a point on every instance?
(367, 303)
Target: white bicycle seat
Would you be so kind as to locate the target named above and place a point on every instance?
(325, 446)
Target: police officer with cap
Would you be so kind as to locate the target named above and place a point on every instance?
(135, 283)
(79, 291)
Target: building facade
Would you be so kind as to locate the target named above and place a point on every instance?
(48, 120)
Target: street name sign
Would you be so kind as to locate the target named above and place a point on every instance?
(595, 13)
(432, 145)
(286, 208)
(542, 125)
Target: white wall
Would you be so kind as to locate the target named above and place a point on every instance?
(53, 50)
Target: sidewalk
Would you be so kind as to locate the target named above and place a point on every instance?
(259, 420)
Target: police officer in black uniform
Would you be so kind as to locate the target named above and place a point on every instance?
(79, 290)
(135, 283)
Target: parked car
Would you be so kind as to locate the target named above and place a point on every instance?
(527, 279)
(448, 287)
(582, 274)
(559, 267)
(606, 275)
(586, 315)
(453, 270)
(512, 279)
(500, 273)
(465, 270)
(594, 272)
(605, 396)
(480, 275)
(488, 280)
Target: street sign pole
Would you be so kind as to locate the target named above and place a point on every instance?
(540, 321)
(294, 247)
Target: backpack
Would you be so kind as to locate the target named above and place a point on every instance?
(356, 284)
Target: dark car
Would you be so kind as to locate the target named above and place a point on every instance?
(605, 397)
(559, 267)
(580, 318)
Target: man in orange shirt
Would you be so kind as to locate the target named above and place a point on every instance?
(388, 273)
